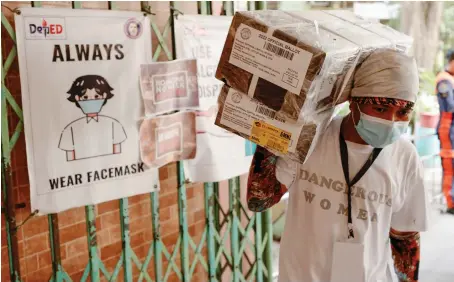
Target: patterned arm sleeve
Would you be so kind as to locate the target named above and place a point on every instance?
(263, 188)
(406, 255)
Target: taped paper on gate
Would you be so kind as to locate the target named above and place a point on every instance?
(169, 86)
(220, 154)
(81, 100)
(168, 138)
(299, 63)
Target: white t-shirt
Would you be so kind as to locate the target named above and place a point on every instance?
(91, 137)
(390, 194)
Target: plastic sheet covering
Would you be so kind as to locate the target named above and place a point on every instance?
(297, 66)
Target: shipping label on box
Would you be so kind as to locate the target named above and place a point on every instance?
(259, 123)
(270, 58)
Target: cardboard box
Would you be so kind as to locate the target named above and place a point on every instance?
(281, 60)
(286, 71)
(252, 120)
(300, 63)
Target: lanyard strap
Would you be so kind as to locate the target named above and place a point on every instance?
(361, 172)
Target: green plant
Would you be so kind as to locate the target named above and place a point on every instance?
(426, 100)
(426, 82)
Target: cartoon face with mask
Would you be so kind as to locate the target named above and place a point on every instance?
(92, 135)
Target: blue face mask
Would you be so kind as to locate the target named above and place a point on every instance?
(379, 132)
(91, 106)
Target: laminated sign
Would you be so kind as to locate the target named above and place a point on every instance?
(169, 86)
(81, 98)
(168, 138)
(220, 154)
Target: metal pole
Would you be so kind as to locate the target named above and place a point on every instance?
(124, 221)
(210, 201)
(54, 240)
(268, 252)
(217, 225)
(267, 219)
(126, 240)
(10, 214)
(54, 234)
(157, 244)
(228, 7)
(209, 215)
(7, 188)
(260, 5)
(234, 238)
(92, 242)
(90, 219)
(183, 221)
(154, 199)
(205, 7)
(258, 246)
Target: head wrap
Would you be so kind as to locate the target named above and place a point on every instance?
(386, 77)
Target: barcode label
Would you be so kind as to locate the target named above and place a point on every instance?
(265, 111)
(269, 113)
(279, 51)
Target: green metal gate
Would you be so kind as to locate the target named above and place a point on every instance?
(221, 225)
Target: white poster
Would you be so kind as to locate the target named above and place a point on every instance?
(220, 154)
(82, 105)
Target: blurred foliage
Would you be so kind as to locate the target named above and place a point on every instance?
(447, 29)
(426, 82)
(427, 100)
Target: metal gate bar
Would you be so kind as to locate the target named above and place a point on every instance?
(7, 145)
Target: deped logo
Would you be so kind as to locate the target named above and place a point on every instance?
(49, 28)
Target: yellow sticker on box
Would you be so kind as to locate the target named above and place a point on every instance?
(269, 136)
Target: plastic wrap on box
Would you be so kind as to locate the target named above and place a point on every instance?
(286, 63)
(367, 35)
(366, 40)
(339, 40)
(252, 120)
(401, 41)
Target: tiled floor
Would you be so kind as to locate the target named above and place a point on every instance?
(437, 245)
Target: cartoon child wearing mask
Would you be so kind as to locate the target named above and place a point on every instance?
(93, 135)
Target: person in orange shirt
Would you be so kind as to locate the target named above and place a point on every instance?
(445, 128)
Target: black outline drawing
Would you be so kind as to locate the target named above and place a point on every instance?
(79, 93)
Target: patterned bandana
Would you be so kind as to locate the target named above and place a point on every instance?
(384, 102)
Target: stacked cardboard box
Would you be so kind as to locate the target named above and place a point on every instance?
(285, 72)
